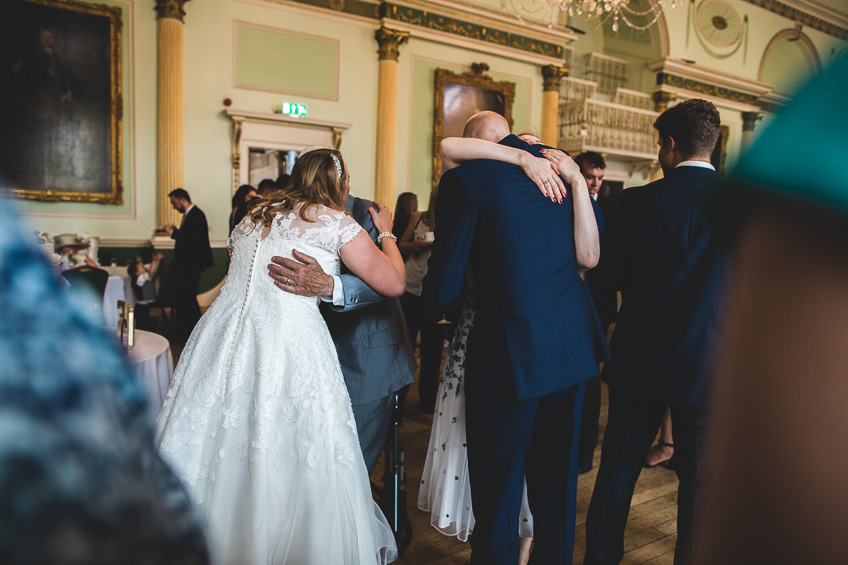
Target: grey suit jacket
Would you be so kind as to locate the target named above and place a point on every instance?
(369, 331)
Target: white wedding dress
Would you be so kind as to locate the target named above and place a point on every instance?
(258, 421)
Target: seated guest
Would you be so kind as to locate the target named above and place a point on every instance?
(241, 198)
(92, 488)
(143, 277)
(71, 249)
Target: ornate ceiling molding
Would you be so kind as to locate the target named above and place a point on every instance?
(812, 15)
(691, 80)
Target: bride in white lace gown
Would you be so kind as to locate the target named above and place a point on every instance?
(258, 422)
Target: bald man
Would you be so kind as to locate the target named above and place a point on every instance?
(535, 341)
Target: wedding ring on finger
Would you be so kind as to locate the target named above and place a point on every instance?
(546, 181)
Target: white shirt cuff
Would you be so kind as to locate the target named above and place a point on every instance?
(338, 293)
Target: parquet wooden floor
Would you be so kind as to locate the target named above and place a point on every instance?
(651, 529)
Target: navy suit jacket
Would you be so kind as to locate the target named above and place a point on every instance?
(369, 331)
(536, 330)
(662, 251)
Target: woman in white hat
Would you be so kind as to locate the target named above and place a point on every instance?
(71, 249)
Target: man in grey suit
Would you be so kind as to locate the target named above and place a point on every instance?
(368, 330)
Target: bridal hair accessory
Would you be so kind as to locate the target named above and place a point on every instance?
(338, 166)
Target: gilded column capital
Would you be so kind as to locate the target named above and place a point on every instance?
(390, 41)
(662, 99)
(553, 77)
(171, 9)
(750, 119)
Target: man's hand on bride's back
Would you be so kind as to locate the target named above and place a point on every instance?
(382, 217)
(303, 276)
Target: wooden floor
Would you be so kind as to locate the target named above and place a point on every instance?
(650, 535)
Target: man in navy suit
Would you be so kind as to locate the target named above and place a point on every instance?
(535, 341)
(192, 255)
(662, 251)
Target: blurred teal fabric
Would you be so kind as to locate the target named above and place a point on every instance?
(804, 151)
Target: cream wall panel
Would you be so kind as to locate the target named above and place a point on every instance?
(271, 59)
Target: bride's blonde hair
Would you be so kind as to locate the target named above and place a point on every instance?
(316, 178)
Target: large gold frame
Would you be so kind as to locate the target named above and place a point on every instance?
(115, 195)
(476, 78)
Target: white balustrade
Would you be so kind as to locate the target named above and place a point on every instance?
(607, 127)
(609, 72)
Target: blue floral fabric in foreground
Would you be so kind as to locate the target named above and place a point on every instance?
(80, 481)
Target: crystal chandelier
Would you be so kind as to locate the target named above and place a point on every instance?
(553, 11)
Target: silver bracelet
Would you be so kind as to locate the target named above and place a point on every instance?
(385, 234)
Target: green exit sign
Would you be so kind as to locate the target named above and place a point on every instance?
(294, 110)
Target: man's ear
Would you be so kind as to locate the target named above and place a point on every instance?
(669, 144)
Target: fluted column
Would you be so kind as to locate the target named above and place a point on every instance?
(662, 100)
(749, 123)
(171, 135)
(550, 103)
(389, 41)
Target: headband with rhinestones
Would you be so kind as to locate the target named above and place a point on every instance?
(338, 166)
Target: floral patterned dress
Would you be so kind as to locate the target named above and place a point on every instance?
(445, 491)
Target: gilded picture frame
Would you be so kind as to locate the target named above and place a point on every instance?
(460, 96)
(61, 101)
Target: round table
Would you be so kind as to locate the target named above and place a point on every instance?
(153, 363)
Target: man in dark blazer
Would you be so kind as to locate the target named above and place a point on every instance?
(369, 332)
(592, 167)
(662, 251)
(192, 255)
(535, 341)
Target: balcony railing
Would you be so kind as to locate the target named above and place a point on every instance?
(607, 127)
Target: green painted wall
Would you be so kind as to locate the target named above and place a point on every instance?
(273, 60)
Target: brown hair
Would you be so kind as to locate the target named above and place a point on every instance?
(407, 204)
(314, 180)
(694, 126)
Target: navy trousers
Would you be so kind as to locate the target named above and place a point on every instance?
(631, 428)
(509, 440)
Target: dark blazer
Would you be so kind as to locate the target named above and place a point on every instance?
(606, 300)
(662, 252)
(369, 331)
(191, 242)
(536, 330)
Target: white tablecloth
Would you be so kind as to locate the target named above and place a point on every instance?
(152, 361)
(118, 287)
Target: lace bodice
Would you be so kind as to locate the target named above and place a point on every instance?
(321, 235)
